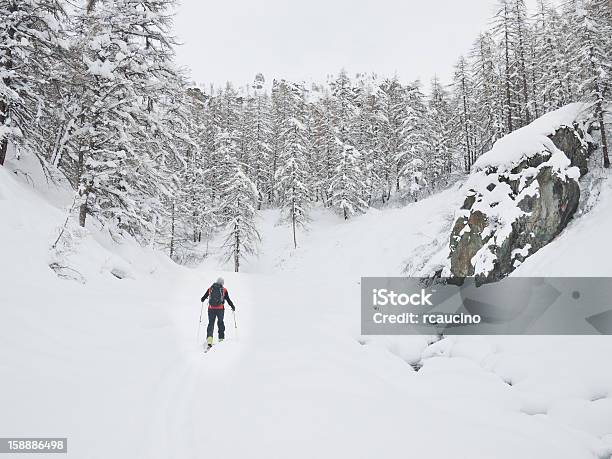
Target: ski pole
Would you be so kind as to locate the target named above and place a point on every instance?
(200, 323)
(235, 326)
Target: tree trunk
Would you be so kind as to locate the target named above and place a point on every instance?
(3, 118)
(4, 107)
(258, 186)
(397, 179)
(604, 139)
(534, 84)
(3, 150)
(466, 125)
(508, 71)
(271, 188)
(172, 229)
(83, 213)
(599, 108)
(522, 63)
(236, 249)
(293, 223)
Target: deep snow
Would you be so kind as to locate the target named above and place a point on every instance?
(114, 364)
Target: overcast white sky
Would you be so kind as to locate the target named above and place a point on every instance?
(307, 40)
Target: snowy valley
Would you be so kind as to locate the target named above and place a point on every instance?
(115, 364)
(129, 188)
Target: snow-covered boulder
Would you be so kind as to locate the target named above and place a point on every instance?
(520, 196)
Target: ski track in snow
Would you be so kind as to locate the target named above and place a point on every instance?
(115, 364)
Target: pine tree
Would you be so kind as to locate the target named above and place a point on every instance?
(347, 183)
(227, 126)
(213, 141)
(344, 96)
(292, 175)
(31, 36)
(591, 48)
(124, 139)
(239, 212)
(520, 33)
(324, 146)
(100, 146)
(413, 159)
(367, 137)
(503, 28)
(196, 188)
(487, 87)
(393, 115)
(463, 112)
(347, 179)
(258, 131)
(439, 129)
(549, 54)
(280, 112)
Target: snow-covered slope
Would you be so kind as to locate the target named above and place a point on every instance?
(115, 364)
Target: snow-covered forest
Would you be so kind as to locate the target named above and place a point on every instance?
(92, 89)
(128, 191)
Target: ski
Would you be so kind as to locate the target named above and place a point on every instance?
(208, 348)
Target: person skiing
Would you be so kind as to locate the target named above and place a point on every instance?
(216, 294)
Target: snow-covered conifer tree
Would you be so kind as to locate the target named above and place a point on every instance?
(593, 59)
(324, 145)
(488, 94)
(439, 129)
(347, 183)
(393, 115)
(31, 36)
(239, 213)
(258, 130)
(463, 112)
(294, 171)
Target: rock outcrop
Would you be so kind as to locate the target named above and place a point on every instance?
(518, 201)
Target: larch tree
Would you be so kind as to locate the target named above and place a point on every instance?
(463, 112)
(393, 114)
(323, 145)
(414, 161)
(503, 28)
(347, 183)
(31, 38)
(241, 238)
(292, 177)
(439, 129)
(259, 129)
(591, 50)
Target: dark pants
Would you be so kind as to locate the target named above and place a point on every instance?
(212, 315)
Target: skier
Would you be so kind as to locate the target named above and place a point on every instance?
(216, 294)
